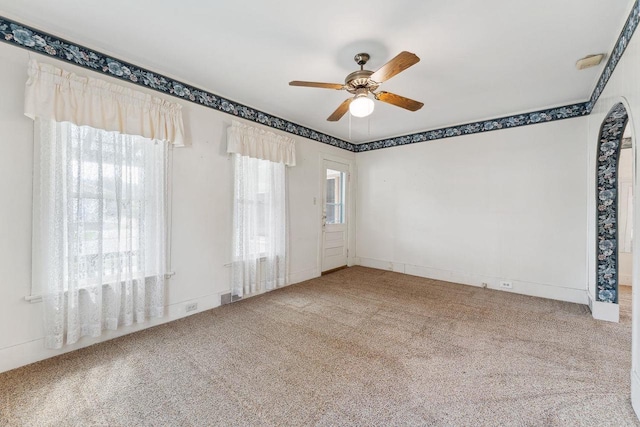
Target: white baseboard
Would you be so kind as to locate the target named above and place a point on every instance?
(34, 351)
(542, 290)
(625, 280)
(635, 392)
(604, 310)
(381, 265)
(301, 276)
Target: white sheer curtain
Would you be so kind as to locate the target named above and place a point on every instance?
(99, 227)
(259, 208)
(259, 226)
(99, 230)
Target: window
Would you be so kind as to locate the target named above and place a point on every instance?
(99, 225)
(104, 193)
(254, 196)
(99, 229)
(259, 236)
(259, 232)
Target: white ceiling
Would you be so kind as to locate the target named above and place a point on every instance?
(479, 59)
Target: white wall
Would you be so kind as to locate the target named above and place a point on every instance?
(202, 195)
(625, 221)
(507, 205)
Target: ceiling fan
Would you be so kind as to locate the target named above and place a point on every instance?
(363, 82)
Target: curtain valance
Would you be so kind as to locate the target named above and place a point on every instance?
(260, 144)
(55, 94)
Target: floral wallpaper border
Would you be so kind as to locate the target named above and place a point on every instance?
(566, 112)
(29, 38)
(609, 146)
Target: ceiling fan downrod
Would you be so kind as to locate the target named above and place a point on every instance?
(361, 59)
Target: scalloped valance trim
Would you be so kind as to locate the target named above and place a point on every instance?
(258, 143)
(56, 94)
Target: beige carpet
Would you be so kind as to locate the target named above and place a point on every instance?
(356, 347)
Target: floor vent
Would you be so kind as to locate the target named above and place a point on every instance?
(225, 298)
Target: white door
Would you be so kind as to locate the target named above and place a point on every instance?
(334, 215)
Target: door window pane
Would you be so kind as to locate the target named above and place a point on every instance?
(334, 207)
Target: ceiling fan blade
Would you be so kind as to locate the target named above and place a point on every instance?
(398, 64)
(399, 101)
(340, 111)
(316, 84)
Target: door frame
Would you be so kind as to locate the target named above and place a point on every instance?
(350, 207)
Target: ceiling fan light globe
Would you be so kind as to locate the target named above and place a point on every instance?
(361, 106)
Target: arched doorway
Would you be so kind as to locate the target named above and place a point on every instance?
(609, 147)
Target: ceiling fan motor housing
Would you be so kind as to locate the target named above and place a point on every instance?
(360, 80)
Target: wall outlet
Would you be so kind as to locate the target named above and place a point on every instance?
(506, 285)
(192, 306)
